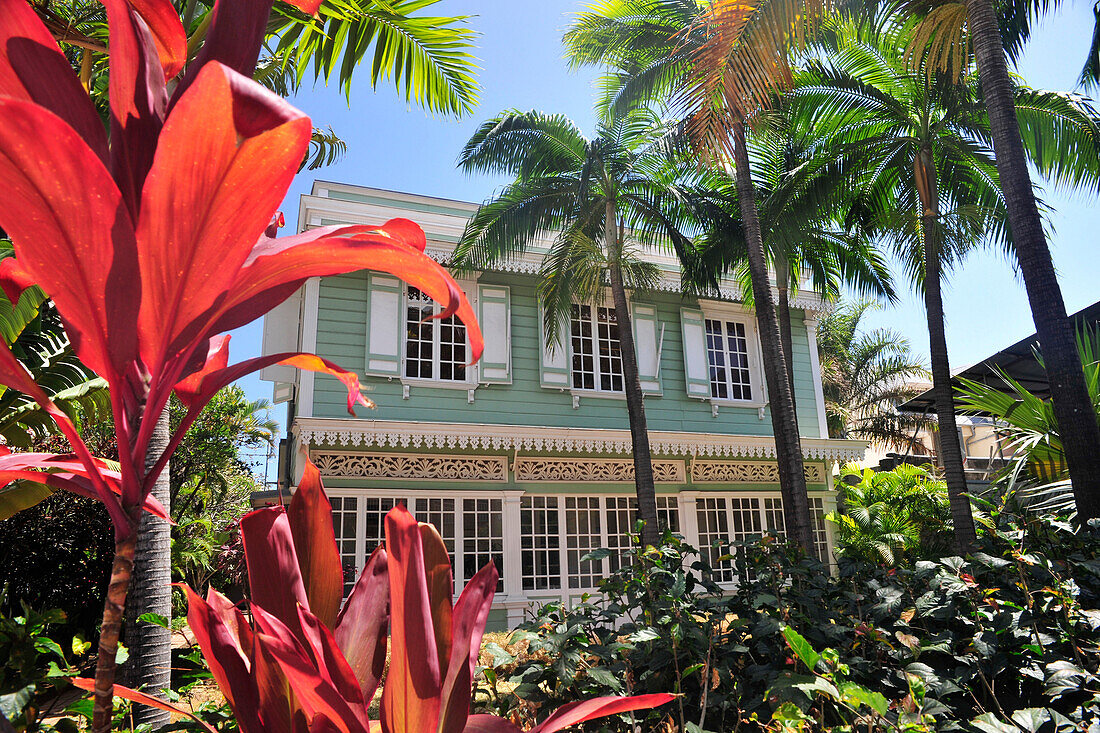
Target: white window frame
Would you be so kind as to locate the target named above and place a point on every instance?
(363, 548)
(667, 505)
(726, 312)
(769, 511)
(593, 321)
(470, 381)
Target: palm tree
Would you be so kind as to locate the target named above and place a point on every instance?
(933, 188)
(722, 61)
(865, 376)
(597, 197)
(802, 194)
(993, 39)
(891, 514)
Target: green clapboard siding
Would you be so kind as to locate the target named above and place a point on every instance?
(341, 337)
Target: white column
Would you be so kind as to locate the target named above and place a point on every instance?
(689, 519)
(309, 344)
(815, 369)
(513, 567)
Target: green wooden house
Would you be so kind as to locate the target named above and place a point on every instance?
(524, 459)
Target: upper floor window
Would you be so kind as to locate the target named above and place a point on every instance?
(597, 356)
(728, 359)
(434, 349)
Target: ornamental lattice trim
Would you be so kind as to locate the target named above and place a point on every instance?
(747, 472)
(410, 466)
(594, 470)
(376, 437)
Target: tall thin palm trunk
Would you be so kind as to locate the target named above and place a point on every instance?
(1072, 407)
(635, 405)
(783, 312)
(788, 448)
(950, 449)
(150, 665)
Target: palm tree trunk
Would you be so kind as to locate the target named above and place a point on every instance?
(150, 665)
(1072, 406)
(635, 405)
(950, 451)
(788, 448)
(783, 312)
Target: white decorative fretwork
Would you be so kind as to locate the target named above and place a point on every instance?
(339, 432)
(410, 466)
(593, 469)
(747, 472)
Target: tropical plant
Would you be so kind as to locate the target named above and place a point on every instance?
(931, 191)
(314, 662)
(600, 199)
(142, 283)
(1029, 429)
(865, 375)
(722, 61)
(890, 516)
(997, 33)
(803, 192)
(1004, 639)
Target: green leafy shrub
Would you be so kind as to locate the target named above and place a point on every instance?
(1004, 639)
(892, 515)
(34, 668)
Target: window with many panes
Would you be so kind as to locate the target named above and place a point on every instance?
(436, 348)
(590, 523)
(345, 516)
(726, 519)
(728, 359)
(473, 538)
(540, 542)
(597, 356)
(482, 537)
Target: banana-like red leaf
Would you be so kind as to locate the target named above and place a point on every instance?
(167, 31)
(361, 627)
(237, 29)
(199, 223)
(273, 573)
(132, 695)
(470, 615)
(76, 241)
(34, 69)
(138, 96)
(226, 643)
(411, 696)
(310, 516)
(599, 707)
(276, 268)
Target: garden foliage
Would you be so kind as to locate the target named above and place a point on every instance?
(310, 661)
(1005, 639)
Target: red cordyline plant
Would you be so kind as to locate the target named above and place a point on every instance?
(154, 234)
(309, 666)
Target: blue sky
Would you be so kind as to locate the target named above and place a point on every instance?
(393, 146)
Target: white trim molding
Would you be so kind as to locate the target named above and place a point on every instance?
(479, 436)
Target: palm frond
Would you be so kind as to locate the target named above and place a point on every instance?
(427, 57)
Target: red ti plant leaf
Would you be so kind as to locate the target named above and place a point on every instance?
(361, 627)
(273, 571)
(310, 516)
(33, 69)
(132, 695)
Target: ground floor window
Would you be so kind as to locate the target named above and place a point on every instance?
(473, 538)
(558, 534)
(727, 519)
